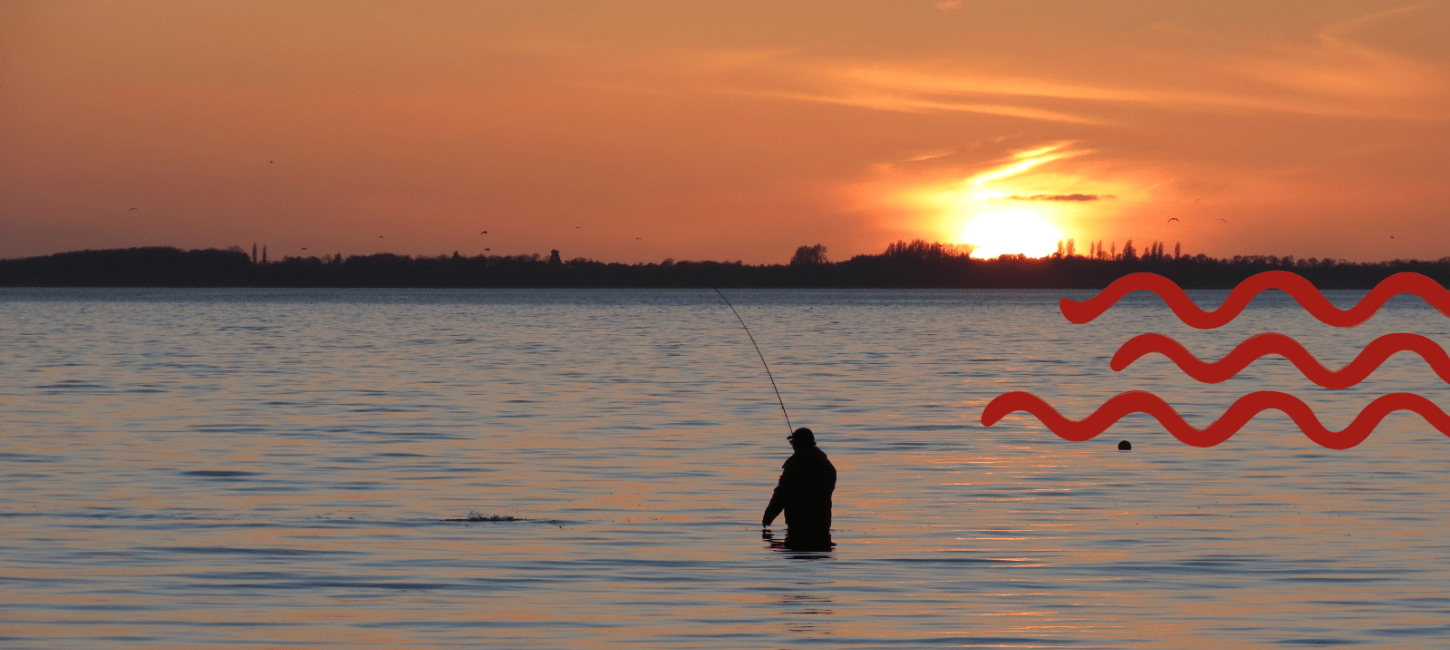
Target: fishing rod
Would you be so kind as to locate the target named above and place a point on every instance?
(788, 425)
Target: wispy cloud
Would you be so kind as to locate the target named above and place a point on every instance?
(899, 103)
(1340, 66)
(930, 155)
(1336, 75)
(1024, 161)
(1056, 197)
(1315, 80)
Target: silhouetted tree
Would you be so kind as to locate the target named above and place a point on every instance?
(809, 255)
(903, 264)
(920, 249)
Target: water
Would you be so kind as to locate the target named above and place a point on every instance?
(262, 469)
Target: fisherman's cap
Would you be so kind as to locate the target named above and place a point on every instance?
(803, 435)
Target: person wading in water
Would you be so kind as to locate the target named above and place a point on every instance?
(804, 493)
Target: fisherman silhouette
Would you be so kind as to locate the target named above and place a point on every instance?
(804, 494)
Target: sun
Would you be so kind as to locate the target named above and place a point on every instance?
(1010, 232)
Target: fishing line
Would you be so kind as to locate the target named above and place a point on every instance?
(788, 426)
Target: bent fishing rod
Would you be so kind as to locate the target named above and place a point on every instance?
(788, 425)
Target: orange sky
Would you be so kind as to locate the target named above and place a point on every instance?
(637, 130)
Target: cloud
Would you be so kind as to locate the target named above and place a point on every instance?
(904, 87)
(887, 102)
(1057, 197)
(1342, 68)
(1196, 70)
(1024, 161)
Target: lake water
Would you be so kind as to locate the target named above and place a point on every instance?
(271, 468)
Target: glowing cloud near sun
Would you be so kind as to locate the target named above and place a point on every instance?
(1010, 232)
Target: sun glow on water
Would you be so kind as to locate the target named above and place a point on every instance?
(1011, 232)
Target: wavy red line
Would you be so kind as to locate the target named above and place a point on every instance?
(1301, 290)
(1254, 347)
(1237, 415)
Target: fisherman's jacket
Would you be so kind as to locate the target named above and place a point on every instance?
(804, 494)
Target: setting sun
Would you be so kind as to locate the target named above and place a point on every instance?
(1011, 232)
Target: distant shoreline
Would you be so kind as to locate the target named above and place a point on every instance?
(914, 265)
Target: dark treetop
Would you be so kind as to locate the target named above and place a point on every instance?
(914, 264)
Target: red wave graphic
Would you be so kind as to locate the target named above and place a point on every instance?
(1262, 345)
(1237, 415)
(1302, 290)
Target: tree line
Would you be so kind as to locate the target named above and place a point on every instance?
(903, 265)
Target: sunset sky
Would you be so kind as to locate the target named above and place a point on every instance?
(636, 130)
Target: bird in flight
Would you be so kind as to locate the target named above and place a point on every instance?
(270, 162)
(578, 227)
(1222, 219)
(304, 248)
(638, 239)
(1171, 220)
(484, 232)
(380, 236)
(488, 249)
(131, 209)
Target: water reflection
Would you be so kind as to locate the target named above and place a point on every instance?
(809, 605)
(802, 547)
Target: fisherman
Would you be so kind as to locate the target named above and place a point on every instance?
(804, 493)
